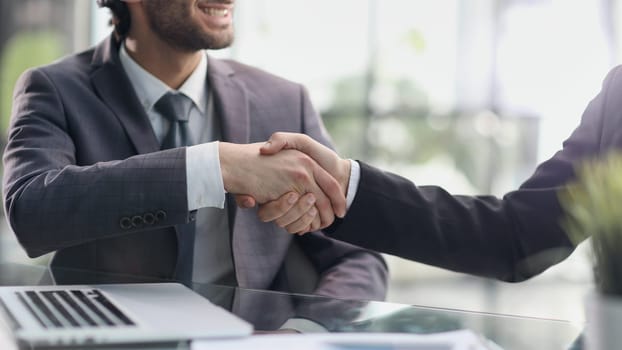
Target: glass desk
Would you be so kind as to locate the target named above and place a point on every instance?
(268, 311)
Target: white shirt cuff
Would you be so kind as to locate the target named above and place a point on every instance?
(203, 176)
(353, 184)
(303, 325)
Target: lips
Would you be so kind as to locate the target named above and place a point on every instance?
(211, 11)
(216, 8)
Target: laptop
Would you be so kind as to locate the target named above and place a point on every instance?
(113, 314)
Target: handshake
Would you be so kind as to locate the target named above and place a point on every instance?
(298, 183)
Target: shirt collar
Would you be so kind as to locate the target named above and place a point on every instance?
(150, 89)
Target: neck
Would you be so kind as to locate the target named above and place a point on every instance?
(171, 65)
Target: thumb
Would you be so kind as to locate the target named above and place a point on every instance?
(276, 143)
(245, 201)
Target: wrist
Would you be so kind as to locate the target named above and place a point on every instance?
(226, 152)
(344, 175)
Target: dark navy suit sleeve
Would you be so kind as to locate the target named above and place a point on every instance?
(510, 238)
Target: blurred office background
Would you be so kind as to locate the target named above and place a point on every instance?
(469, 95)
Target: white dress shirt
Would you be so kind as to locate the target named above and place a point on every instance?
(353, 184)
(203, 175)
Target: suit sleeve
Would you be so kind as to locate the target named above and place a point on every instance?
(344, 269)
(52, 203)
(511, 238)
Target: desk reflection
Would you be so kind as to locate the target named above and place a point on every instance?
(268, 311)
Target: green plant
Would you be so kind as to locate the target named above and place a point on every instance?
(593, 206)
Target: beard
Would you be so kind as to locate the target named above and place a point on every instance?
(171, 21)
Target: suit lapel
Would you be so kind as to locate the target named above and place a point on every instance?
(115, 89)
(231, 105)
(231, 102)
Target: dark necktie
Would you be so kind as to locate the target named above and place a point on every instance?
(176, 109)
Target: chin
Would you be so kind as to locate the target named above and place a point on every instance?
(219, 41)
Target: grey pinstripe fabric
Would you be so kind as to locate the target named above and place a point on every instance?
(81, 156)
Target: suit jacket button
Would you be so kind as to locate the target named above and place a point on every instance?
(137, 221)
(160, 215)
(125, 223)
(149, 218)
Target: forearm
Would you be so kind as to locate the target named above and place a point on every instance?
(509, 239)
(51, 208)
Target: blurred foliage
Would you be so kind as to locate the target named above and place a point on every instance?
(592, 206)
(23, 51)
(411, 131)
(416, 40)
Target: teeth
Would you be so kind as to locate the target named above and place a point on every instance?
(210, 11)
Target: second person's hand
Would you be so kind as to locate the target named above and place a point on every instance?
(267, 177)
(296, 215)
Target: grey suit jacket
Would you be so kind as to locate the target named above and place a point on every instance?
(82, 156)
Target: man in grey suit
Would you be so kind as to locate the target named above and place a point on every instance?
(112, 161)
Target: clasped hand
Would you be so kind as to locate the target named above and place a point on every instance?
(298, 183)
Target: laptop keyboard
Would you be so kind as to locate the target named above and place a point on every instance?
(73, 309)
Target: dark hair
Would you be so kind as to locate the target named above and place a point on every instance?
(120, 16)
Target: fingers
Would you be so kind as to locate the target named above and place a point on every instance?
(303, 224)
(314, 226)
(296, 215)
(304, 206)
(338, 168)
(308, 177)
(266, 178)
(333, 190)
(275, 209)
(272, 146)
(322, 201)
(245, 201)
(303, 143)
(279, 141)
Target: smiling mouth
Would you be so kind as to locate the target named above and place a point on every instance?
(216, 8)
(218, 12)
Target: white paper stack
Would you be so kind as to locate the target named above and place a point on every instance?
(456, 340)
